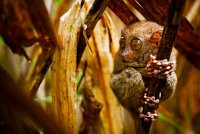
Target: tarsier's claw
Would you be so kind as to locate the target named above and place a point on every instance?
(159, 96)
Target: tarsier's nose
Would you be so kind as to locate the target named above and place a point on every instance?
(127, 55)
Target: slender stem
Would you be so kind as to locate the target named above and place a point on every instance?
(168, 38)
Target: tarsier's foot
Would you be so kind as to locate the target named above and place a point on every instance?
(149, 116)
(159, 68)
(151, 101)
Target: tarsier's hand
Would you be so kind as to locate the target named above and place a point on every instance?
(159, 68)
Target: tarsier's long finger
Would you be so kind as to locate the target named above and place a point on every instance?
(149, 116)
(154, 72)
(166, 63)
(159, 64)
(151, 67)
(161, 71)
(166, 70)
(166, 74)
(151, 102)
(158, 69)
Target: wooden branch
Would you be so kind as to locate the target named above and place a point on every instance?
(91, 20)
(164, 51)
(146, 8)
(169, 35)
(121, 10)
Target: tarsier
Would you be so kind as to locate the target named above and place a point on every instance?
(135, 64)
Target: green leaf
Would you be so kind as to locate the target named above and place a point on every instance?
(79, 78)
(47, 99)
(1, 41)
(58, 2)
(78, 82)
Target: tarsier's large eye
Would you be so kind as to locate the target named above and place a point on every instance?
(136, 44)
(122, 42)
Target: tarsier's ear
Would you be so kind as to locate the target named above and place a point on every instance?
(156, 37)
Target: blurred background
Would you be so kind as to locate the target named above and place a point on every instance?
(37, 98)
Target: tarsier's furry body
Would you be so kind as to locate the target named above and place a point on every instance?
(134, 67)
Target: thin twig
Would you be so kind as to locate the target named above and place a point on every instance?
(91, 20)
(168, 38)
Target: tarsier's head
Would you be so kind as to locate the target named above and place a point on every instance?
(138, 41)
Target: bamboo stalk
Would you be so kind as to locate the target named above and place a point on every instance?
(168, 38)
